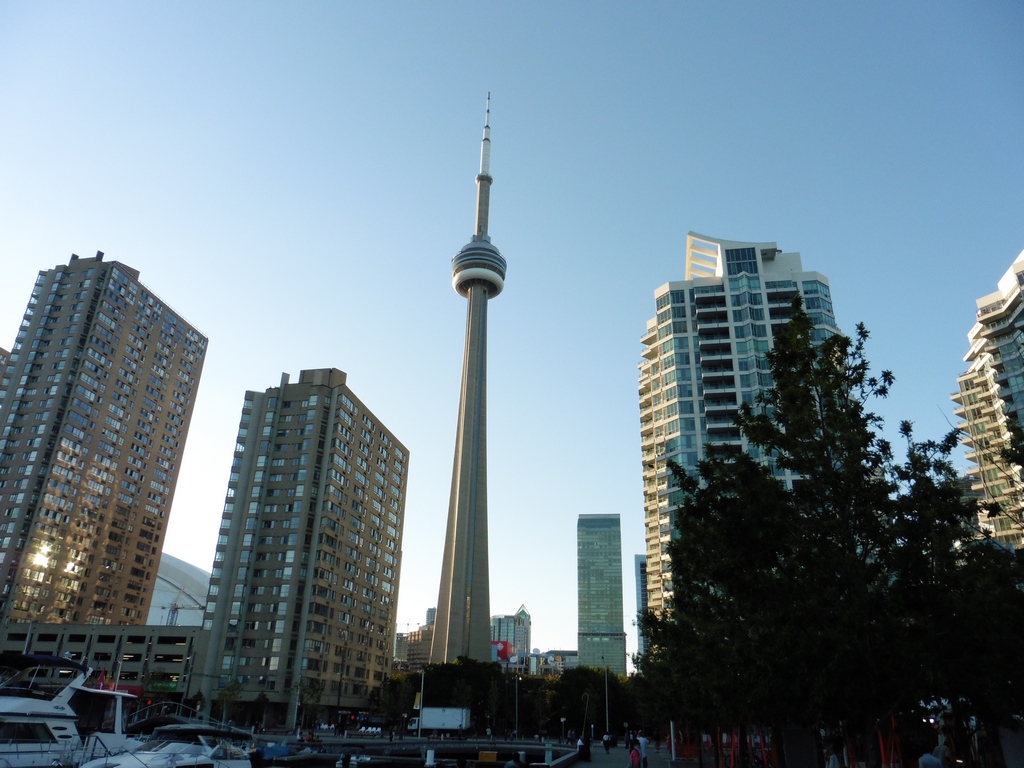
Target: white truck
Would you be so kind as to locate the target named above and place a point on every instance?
(441, 719)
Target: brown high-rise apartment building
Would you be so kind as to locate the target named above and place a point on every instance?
(95, 404)
(305, 577)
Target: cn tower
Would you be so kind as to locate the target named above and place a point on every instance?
(463, 623)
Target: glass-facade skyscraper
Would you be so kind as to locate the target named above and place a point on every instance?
(704, 353)
(602, 641)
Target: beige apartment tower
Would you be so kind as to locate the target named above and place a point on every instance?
(95, 402)
(305, 577)
(989, 397)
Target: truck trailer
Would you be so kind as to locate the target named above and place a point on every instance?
(446, 719)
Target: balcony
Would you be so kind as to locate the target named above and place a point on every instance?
(714, 349)
(780, 290)
(720, 404)
(724, 433)
(711, 313)
(709, 300)
(718, 379)
(992, 328)
(780, 314)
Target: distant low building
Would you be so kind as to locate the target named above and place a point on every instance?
(418, 653)
(179, 595)
(563, 660)
(156, 663)
(511, 634)
(401, 648)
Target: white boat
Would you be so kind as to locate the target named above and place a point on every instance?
(186, 745)
(49, 717)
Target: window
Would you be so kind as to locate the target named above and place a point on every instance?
(740, 260)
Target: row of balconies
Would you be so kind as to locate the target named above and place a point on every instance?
(993, 328)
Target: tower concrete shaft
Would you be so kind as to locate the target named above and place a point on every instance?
(462, 626)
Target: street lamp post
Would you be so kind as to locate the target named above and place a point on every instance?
(607, 725)
(423, 683)
(563, 730)
(517, 706)
(586, 708)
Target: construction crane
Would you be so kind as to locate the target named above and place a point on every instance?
(173, 608)
(177, 605)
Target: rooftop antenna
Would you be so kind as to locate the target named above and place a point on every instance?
(483, 179)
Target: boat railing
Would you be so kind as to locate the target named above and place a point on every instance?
(19, 750)
(166, 709)
(95, 747)
(172, 710)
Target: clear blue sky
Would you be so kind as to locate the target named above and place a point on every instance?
(295, 177)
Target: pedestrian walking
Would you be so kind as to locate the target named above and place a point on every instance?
(642, 742)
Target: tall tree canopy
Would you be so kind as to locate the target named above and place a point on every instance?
(864, 591)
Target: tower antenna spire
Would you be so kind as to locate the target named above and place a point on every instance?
(483, 179)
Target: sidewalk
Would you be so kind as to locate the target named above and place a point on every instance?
(618, 757)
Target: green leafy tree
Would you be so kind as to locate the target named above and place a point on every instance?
(399, 694)
(259, 710)
(196, 703)
(576, 697)
(493, 703)
(227, 696)
(462, 683)
(311, 691)
(391, 701)
(843, 598)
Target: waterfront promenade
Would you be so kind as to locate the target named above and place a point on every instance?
(618, 757)
(564, 754)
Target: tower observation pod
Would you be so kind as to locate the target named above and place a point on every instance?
(463, 623)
